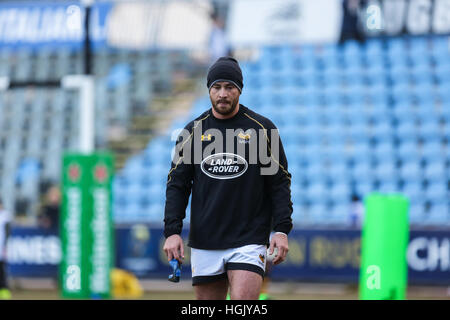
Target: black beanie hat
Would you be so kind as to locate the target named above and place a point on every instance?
(225, 69)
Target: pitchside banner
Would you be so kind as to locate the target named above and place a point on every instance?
(86, 226)
(400, 17)
(119, 24)
(314, 255)
(281, 22)
(50, 24)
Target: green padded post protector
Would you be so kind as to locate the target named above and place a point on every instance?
(385, 235)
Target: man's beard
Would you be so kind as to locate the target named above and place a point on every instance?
(227, 109)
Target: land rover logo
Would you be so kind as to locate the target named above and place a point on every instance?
(224, 166)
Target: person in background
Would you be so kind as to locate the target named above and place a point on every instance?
(5, 229)
(49, 215)
(350, 29)
(218, 45)
(356, 211)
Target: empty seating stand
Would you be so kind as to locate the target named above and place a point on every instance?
(41, 123)
(354, 119)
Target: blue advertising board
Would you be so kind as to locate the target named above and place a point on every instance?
(327, 255)
(33, 252)
(322, 255)
(51, 24)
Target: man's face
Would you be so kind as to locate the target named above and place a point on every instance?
(224, 97)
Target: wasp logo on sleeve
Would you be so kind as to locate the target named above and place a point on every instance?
(224, 166)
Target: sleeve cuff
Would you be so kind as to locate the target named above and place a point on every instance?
(284, 228)
(280, 233)
(170, 232)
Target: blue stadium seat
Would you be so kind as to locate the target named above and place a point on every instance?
(317, 191)
(360, 152)
(440, 43)
(317, 214)
(413, 190)
(126, 209)
(339, 171)
(416, 214)
(437, 215)
(437, 191)
(299, 214)
(359, 134)
(435, 171)
(408, 149)
(373, 48)
(352, 48)
(382, 131)
(432, 150)
(156, 193)
(339, 215)
(354, 71)
(385, 148)
(362, 170)
(422, 75)
(386, 171)
(23, 65)
(388, 187)
(410, 171)
(340, 192)
(442, 74)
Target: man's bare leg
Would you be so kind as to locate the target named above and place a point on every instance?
(244, 285)
(212, 291)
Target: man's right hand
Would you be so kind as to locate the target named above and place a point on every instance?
(174, 248)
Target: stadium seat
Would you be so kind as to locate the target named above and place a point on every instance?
(23, 65)
(155, 213)
(435, 171)
(408, 149)
(386, 171)
(340, 193)
(339, 171)
(388, 187)
(339, 215)
(410, 171)
(317, 191)
(437, 191)
(433, 147)
(317, 214)
(416, 214)
(437, 215)
(413, 190)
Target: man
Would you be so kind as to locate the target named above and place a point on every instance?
(350, 28)
(49, 215)
(238, 196)
(5, 221)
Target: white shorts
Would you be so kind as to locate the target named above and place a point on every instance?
(212, 265)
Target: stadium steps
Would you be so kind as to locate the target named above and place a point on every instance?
(154, 120)
(135, 139)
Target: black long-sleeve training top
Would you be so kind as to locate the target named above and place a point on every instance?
(233, 203)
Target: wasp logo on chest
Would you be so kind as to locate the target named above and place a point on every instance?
(206, 137)
(244, 136)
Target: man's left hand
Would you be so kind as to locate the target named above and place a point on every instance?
(280, 242)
